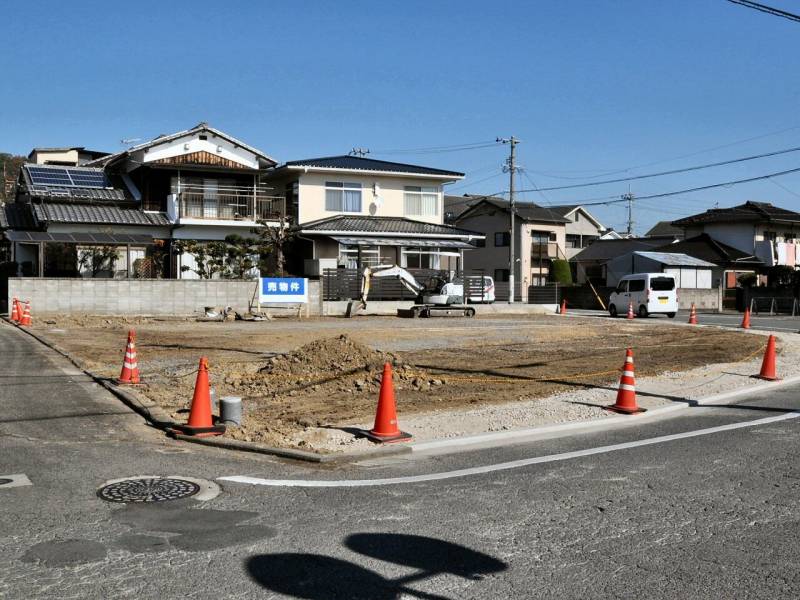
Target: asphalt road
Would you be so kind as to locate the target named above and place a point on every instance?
(762, 322)
(705, 516)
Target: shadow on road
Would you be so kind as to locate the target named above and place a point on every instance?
(317, 577)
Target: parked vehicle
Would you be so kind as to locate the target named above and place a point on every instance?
(481, 292)
(649, 293)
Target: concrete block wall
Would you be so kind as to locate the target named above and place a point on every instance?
(704, 299)
(133, 297)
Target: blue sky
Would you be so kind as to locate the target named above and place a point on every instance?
(588, 86)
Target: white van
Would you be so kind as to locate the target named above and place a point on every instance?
(480, 291)
(650, 293)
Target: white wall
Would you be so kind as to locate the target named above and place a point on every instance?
(389, 199)
(195, 144)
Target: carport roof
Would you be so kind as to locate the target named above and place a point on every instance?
(675, 259)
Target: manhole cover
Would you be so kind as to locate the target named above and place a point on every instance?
(5, 481)
(148, 489)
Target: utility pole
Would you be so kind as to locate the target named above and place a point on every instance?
(511, 168)
(629, 197)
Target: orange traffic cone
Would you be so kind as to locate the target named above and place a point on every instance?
(200, 423)
(693, 316)
(746, 319)
(25, 321)
(385, 428)
(563, 306)
(130, 366)
(630, 310)
(768, 365)
(626, 394)
(14, 310)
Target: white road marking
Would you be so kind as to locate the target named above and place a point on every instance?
(514, 464)
(17, 480)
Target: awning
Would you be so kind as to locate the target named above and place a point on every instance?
(411, 242)
(78, 238)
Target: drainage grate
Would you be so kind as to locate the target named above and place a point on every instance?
(4, 481)
(148, 489)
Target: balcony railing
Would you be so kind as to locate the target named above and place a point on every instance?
(230, 203)
(544, 250)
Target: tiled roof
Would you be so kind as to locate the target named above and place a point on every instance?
(664, 228)
(705, 247)
(68, 212)
(382, 225)
(744, 213)
(358, 163)
(17, 215)
(526, 211)
(603, 250)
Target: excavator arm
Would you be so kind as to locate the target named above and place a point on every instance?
(406, 279)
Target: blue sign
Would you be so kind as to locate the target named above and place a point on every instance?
(283, 289)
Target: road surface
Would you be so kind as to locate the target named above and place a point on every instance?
(703, 513)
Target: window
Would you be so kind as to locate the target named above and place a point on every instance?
(573, 241)
(421, 201)
(662, 284)
(348, 256)
(502, 238)
(622, 287)
(500, 275)
(542, 237)
(636, 285)
(342, 197)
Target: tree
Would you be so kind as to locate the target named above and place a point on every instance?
(242, 255)
(95, 259)
(273, 242)
(9, 172)
(560, 272)
(209, 257)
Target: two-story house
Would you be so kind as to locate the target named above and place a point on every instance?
(755, 228)
(540, 236)
(351, 211)
(581, 227)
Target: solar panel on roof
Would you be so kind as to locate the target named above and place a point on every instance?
(88, 178)
(67, 177)
(42, 176)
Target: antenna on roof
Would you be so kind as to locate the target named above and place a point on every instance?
(129, 141)
(362, 152)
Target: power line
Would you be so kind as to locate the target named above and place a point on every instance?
(608, 172)
(670, 172)
(695, 189)
(768, 9)
(439, 149)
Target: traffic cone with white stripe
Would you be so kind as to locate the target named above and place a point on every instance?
(14, 310)
(130, 366)
(25, 320)
(626, 394)
(630, 310)
(693, 316)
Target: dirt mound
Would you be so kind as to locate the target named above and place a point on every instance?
(336, 356)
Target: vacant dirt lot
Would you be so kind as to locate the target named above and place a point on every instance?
(301, 379)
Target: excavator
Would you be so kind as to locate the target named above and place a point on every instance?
(439, 295)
